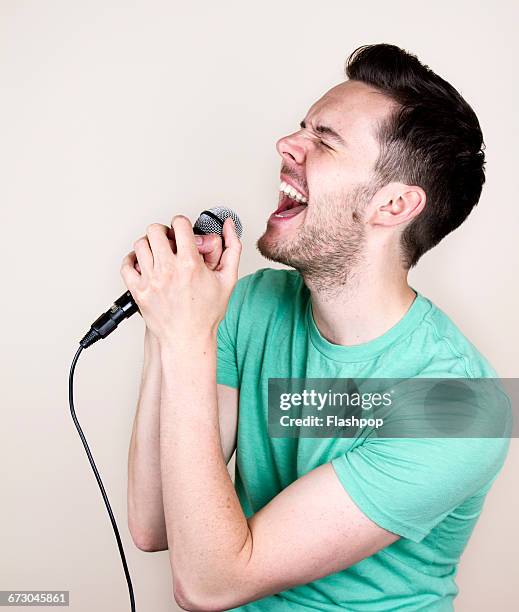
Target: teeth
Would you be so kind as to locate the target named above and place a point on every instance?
(292, 193)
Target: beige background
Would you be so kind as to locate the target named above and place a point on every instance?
(117, 114)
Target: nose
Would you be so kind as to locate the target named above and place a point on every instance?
(291, 149)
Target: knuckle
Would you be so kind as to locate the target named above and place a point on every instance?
(139, 242)
(154, 227)
(188, 264)
(167, 268)
(155, 283)
(179, 219)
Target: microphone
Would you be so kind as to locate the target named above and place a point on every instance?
(209, 222)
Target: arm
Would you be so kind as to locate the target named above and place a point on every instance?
(145, 505)
(221, 559)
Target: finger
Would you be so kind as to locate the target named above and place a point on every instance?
(231, 254)
(184, 237)
(211, 249)
(159, 243)
(131, 257)
(144, 255)
(128, 272)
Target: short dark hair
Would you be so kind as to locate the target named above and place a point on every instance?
(432, 140)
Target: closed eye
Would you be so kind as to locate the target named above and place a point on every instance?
(302, 125)
(323, 130)
(325, 145)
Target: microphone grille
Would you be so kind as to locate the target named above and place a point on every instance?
(211, 221)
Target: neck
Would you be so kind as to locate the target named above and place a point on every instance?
(364, 308)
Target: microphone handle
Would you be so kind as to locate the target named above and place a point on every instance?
(104, 325)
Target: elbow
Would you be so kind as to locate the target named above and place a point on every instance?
(212, 588)
(150, 547)
(193, 600)
(191, 604)
(146, 543)
(185, 600)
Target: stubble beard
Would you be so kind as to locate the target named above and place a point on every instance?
(329, 249)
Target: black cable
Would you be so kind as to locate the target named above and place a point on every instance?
(96, 473)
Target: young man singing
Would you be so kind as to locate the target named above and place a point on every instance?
(383, 166)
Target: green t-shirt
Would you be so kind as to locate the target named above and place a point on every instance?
(428, 491)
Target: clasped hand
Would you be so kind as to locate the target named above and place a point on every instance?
(182, 282)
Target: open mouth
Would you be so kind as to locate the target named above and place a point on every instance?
(292, 201)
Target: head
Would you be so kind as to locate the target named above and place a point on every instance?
(391, 159)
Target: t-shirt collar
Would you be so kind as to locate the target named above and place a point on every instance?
(372, 348)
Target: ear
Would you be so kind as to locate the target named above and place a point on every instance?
(397, 203)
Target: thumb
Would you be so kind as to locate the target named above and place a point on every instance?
(210, 248)
(231, 255)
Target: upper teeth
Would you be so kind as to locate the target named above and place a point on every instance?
(292, 193)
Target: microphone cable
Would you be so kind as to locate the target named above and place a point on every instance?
(98, 477)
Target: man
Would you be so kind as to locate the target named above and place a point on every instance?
(383, 166)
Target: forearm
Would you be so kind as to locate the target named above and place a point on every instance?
(202, 510)
(145, 506)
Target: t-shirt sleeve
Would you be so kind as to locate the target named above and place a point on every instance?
(227, 370)
(409, 485)
(226, 365)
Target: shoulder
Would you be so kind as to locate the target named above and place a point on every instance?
(452, 346)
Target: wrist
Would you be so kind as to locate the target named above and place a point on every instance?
(186, 343)
(149, 337)
(151, 344)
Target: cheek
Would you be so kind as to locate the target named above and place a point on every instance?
(325, 175)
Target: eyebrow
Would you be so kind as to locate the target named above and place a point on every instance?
(324, 130)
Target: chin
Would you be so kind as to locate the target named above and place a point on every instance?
(274, 248)
(267, 245)
(281, 238)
